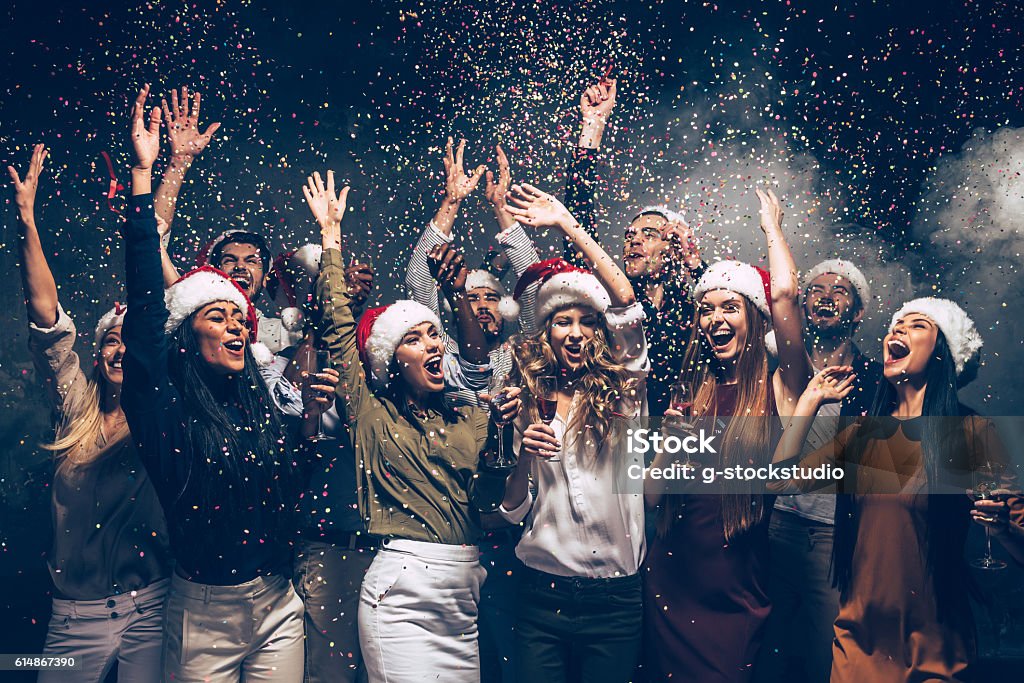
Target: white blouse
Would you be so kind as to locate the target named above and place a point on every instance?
(579, 523)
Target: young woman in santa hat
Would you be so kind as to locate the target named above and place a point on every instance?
(224, 466)
(704, 577)
(898, 557)
(579, 610)
(110, 560)
(421, 484)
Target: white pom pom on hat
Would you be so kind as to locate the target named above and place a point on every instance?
(962, 337)
(381, 329)
(842, 269)
(508, 308)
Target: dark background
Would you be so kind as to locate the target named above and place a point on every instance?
(892, 129)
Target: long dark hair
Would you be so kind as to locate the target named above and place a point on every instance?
(746, 438)
(945, 454)
(239, 462)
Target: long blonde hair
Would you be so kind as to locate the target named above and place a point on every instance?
(605, 384)
(77, 442)
(744, 439)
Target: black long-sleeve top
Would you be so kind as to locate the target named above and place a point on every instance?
(668, 328)
(212, 545)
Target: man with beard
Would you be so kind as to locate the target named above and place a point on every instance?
(798, 640)
(487, 297)
(659, 256)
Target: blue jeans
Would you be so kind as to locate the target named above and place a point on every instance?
(797, 645)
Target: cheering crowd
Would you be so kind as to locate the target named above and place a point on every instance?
(343, 493)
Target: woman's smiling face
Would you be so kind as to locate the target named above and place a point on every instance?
(909, 347)
(569, 329)
(222, 335)
(722, 318)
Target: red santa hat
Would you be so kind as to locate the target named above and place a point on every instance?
(379, 332)
(957, 327)
(562, 284)
(750, 282)
(110, 319)
(291, 276)
(203, 286)
(508, 308)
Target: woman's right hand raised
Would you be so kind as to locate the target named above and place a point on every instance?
(539, 441)
(25, 190)
(328, 208)
(145, 139)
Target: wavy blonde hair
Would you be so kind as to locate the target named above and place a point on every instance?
(81, 428)
(744, 439)
(606, 385)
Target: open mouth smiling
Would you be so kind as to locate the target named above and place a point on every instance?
(721, 338)
(826, 309)
(898, 350)
(433, 367)
(235, 346)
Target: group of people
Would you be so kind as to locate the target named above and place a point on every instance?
(343, 493)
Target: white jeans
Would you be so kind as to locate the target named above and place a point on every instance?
(224, 634)
(418, 613)
(127, 629)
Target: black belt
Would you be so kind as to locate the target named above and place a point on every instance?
(571, 583)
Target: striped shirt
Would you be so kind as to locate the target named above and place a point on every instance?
(521, 253)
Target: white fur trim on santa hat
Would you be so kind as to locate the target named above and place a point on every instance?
(663, 211)
(112, 318)
(195, 290)
(508, 308)
(387, 333)
(571, 289)
(262, 353)
(842, 269)
(957, 327)
(738, 277)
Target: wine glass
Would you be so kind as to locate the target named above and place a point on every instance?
(679, 400)
(547, 402)
(323, 362)
(497, 388)
(988, 477)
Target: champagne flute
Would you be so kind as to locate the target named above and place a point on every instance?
(988, 477)
(323, 362)
(497, 390)
(547, 402)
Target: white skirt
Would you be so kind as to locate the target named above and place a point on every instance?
(418, 613)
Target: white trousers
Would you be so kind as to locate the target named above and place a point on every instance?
(418, 613)
(126, 628)
(225, 634)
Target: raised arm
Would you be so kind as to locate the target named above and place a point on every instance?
(186, 144)
(36, 278)
(457, 186)
(336, 298)
(515, 243)
(538, 209)
(448, 267)
(145, 361)
(794, 366)
(596, 104)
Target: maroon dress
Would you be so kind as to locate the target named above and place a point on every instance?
(705, 600)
